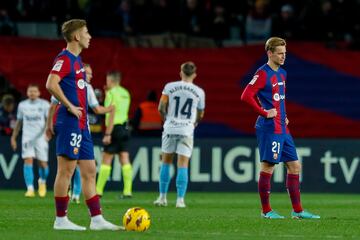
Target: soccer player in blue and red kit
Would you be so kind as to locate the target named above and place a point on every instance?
(266, 95)
(67, 82)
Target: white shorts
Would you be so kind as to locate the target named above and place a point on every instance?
(38, 149)
(179, 144)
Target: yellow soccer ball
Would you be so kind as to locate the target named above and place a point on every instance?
(136, 219)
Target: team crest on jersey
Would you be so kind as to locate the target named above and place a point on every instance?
(76, 150)
(277, 97)
(58, 65)
(81, 84)
(275, 156)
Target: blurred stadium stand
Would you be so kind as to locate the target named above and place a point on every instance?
(322, 83)
(224, 38)
(47, 30)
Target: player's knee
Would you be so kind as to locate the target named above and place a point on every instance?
(88, 176)
(294, 167)
(65, 173)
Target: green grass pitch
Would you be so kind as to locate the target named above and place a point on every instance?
(208, 216)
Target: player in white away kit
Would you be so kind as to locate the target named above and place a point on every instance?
(31, 116)
(181, 106)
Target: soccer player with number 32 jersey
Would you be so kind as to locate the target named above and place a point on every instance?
(67, 82)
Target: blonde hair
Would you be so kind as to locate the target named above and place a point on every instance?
(69, 27)
(188, 68)
(274, 42)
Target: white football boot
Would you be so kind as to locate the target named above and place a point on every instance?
(99, 223)
(63, 223)
(160, 202)
(180, 203)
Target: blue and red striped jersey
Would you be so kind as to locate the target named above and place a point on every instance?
(73, 83)
(265, 91)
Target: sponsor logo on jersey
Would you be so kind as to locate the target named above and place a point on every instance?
(278, 83)
(32, 118)
(58, 65)
(277, 97)
(81, 84)
(80, 70)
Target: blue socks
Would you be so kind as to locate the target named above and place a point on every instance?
(181, 182)
(77, 182)
(28, 175)
(43, 173)
(164, 178)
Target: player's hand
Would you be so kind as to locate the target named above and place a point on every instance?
(111, 108)
(271, 113)
(106, 139)
(287, 121)
(13, 143)
(76, 111)
(49, 132)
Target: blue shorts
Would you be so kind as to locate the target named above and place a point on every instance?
(276, 148)
(74, 143)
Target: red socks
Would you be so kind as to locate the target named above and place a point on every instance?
(264, 188)
(94, 205)
(293, 188)
(292, 185)
(61, 204)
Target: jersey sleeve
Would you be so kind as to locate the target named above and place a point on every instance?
(61, 66)
(128, 96)
(20, 113)
(46, 108)
(108, 98)
(257, 83)
(201, 104)
(92, 100)
(166, 90)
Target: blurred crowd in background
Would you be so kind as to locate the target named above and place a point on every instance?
(334, 22)
(243, 20)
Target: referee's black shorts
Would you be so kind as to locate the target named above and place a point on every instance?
(120, 137)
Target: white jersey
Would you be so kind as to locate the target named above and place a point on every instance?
(185, 99)
(91, 98)
(33, 115)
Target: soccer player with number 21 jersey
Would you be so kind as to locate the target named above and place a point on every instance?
(266, 95)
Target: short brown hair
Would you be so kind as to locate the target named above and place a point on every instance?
(31, 85)
(274, 42)
(115, 76)
(69, 27)
(188, 68)
(7, 100)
